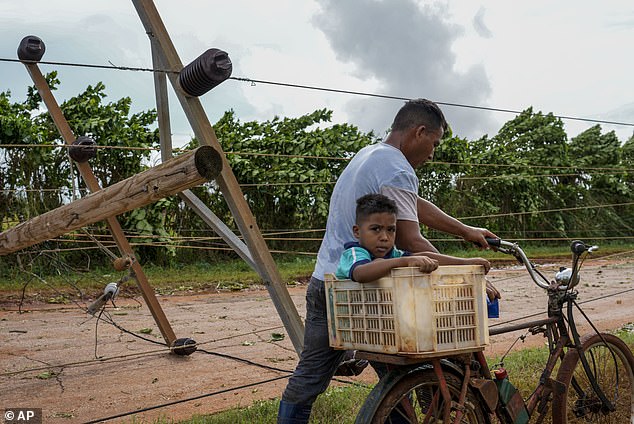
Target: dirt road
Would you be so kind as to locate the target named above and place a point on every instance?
(47, 355)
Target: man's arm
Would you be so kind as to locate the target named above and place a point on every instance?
(408, 237)
(432, 216)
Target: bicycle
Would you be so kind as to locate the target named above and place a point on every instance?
(594, 382)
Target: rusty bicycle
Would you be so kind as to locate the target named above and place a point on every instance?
(594, 381)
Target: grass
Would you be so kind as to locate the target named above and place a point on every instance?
(56, 283)
(336, 405)
(341, 404)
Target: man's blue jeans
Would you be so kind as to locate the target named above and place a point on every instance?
(318, 361)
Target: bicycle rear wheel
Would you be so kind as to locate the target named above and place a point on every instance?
(416, 398)
(612, 366)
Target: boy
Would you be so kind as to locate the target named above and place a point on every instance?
(374, 255)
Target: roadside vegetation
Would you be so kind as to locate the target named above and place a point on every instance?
(529, 182)
(48, 280)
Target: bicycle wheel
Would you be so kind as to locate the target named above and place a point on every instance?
(416, 398)
(612, 366)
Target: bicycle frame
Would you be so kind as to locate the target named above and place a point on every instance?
(559, 328)
(560, 336)
(558, 340)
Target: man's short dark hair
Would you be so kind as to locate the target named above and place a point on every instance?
(374, 203)
(419, 112)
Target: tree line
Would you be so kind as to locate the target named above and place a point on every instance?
(529, 181)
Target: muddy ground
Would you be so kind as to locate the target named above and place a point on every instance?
(48, 354)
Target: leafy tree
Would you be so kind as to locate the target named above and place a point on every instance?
(599, 157)
(287, 167)
(27, 171)
(506, 180)
(39, 179)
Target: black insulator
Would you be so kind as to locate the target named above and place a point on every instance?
(31, 48)
(207, 71)
(184, 346)
(83, 149)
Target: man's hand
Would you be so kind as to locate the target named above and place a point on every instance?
(423, 263)
(492, 292)
(477, 236)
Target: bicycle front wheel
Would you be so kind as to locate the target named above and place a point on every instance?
(612, 365)
(416, 398)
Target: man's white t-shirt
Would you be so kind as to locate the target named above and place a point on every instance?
(378, 168)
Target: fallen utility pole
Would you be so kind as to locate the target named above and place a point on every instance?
(188, 170)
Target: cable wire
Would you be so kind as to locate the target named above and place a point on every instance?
(189, 399)
(253, 81)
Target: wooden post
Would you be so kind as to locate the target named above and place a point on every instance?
(93, 185)
(171, 177)
(165, 135)
(265, 265)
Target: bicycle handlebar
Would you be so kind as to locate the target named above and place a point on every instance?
(493, 242)
(577, 247)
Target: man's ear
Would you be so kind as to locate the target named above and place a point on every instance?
(355, 231)
(420, 130)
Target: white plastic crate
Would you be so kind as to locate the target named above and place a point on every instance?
(410, 312)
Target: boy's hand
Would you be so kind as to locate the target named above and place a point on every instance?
(423, 263)
(480, 261)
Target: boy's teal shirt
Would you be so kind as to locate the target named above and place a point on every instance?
(355, 255)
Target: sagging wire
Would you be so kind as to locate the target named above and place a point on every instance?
(252, 82)
(103, 248)
(99, 305)
(164, 405)
(139, 354)
(33, 275)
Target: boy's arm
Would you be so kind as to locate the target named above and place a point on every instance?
(378, 268)
(453, 260)
(492, 292)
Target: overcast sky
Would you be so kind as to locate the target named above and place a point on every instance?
(572, 58)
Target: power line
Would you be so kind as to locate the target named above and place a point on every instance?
(293, 156)
(546, 211)
(324, 183)
(385, 96)
(94, 146)
(253, 81)
(88, 65)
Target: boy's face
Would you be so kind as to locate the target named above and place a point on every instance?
(377, 233)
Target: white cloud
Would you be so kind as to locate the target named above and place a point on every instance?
(569, 58)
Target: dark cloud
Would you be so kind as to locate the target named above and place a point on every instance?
(407, 48)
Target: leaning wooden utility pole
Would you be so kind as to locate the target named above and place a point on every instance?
(93, 185)
(256, 253)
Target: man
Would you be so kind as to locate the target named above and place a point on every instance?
(386, 168)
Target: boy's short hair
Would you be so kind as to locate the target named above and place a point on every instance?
(374, 203)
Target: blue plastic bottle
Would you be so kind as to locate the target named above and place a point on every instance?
(493, 308)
